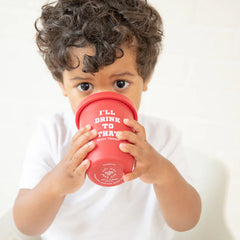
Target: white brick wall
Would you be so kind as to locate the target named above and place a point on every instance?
(196, 81)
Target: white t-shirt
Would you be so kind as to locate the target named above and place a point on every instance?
(126, 211)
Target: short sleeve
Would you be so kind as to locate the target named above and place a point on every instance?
(173, 150)
(38, 159)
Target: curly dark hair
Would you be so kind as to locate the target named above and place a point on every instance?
(106, 25)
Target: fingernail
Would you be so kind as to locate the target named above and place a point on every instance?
(125, 120)
(90, 143)
(125, 178)
(88, 127)
(118, 134)
(122, 146)
(94, 131)
(85, 162)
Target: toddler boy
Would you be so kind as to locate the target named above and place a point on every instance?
(92, 46)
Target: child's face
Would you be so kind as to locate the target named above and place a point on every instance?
(121, 77)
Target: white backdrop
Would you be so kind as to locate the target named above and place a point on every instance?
(196, 85)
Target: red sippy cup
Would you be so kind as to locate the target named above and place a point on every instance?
(105, 112)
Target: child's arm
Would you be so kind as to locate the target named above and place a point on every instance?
(179, 201)
(35, 209)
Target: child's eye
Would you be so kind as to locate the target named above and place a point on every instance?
(121, 84)
(85, 86)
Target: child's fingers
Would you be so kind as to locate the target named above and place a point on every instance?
(129, 148)
(82, 153)
(82, 168)
(133, 175)
(136, 126)
(81, 131)
(82, 140)
(129, 136)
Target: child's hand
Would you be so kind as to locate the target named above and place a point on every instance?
(69, 175)
(148, 162)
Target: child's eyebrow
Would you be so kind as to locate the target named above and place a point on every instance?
(82, 78)
(122, 74)
(111, 76)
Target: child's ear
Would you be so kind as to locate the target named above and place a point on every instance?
(61, 85)
(145, 84)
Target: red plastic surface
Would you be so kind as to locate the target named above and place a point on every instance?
(105, 112)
